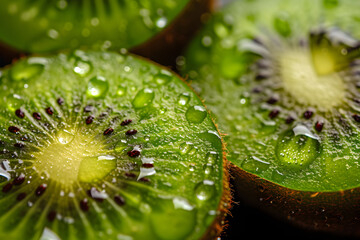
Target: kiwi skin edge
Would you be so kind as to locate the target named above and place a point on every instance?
(335, 213)
(170, 43)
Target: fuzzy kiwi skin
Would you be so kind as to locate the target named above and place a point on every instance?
(335, 213)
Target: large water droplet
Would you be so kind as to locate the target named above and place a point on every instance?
(255, 165)
(186, 147)
(196, 114)
(143, 98)
(82, 67)
(163, 77)
(97, 87)
(282, 24)
(205, 190)
(184, 99)
(169, 214)
(121, 146)
(13, 102)
(65, 137)
(298, 147)
(26, 70)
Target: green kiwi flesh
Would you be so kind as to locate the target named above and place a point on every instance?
(102, 145)
(46, 26)
(282, 80)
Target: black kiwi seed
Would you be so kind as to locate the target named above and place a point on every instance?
(19, 180)
(6, 188)
(13, 129)
(40, 189)
(101, 151)
(37, 116)
(20, 113)
(21, 196)
(49, 110)
(89, 119)
(126, 122)
(84, 205)
(60, 101)
(108, 131)
(131, 132)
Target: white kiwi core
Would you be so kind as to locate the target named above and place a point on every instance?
(73, 157)
(311, 78)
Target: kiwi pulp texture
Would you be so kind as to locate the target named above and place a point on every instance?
(282, 79)
(46, 26)
(101, 145)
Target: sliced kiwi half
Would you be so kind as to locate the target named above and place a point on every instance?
(282, 79)
(101, 145)
(47, 26)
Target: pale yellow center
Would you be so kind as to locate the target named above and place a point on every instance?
(73, 157)
(312, 80)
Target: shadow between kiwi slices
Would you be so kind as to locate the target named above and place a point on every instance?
(102, 145)
(281, 78)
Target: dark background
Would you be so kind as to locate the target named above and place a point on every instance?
(247, 222)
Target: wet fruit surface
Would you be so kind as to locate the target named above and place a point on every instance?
(284, 87)
(38, 26)
(105, 146)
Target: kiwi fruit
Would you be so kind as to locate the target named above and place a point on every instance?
(147, 26)
(103, 145)
(282, 80)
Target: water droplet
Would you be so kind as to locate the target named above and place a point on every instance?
(121, 91)
(208, 169)
(196, 114)
(211, 157)
(184, 99)
(49, 235)
(143, 98)
(161, 22)
(255, 165)
(205, 190)
(13, 102)
(206, 41)
(144, 172)
(330, 3)
(282, 24)
(169, 214)
(163, 77)
(186, 147)
(61, 4)
(26, 70)
(297, 148)
(82, 67)
(65, 137)
(97, 87)
(121, 146)
(52, 33)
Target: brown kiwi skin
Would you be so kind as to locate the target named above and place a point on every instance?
(166, 46)
(336, 213)
(219, 224)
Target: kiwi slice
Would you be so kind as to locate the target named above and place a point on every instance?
(282, 79)
(46, 26)
(101, 145)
